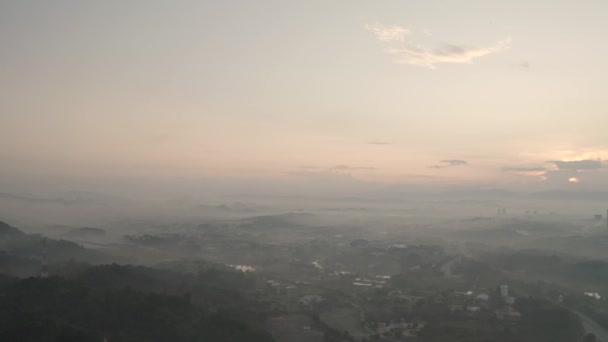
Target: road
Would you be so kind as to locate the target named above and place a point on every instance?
(592, 327)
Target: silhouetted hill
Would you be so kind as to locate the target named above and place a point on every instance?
(282, 219)
(571, 195)
(59, 309)
(20, 253)
(7, 230)
(85, 232)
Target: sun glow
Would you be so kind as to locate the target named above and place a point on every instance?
(573, 180)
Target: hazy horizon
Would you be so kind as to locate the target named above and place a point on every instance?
(342, 97)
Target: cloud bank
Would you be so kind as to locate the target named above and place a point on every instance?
(578, 165)
(351, 168)
(524, 169)
(406, 51)
(338, 168)
(388, 34)
(449, 163)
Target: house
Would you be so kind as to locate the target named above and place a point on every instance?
(308, 302)
(482, 297)
(274, 287)
(507, 314)
(509, 300)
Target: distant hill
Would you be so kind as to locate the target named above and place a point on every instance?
(571, 195)
(283, 219)
(84, 232)
(20, 252)
(8, 230)
(76, 309)
(68, 198)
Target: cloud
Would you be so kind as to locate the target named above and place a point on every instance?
(388, 34)
(455, 162)
(350, 168)
(379, 143)
(337, 168)
(578, 165)
(421, 56)
(449, 163)
(557, 178)
(524, 169)
(423, 176)
(408, 52)
(538, 172)
(35, 199)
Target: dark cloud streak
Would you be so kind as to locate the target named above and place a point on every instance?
(449, 163)
(455, 162)
(351, 168)
(578, 165)
(525, 169)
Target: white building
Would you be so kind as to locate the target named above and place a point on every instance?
(504, 290)
(482, 297)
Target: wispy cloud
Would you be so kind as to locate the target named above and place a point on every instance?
(379, 142)
(337, 168)
(449, 163)
(423, 176)
(388, 34)
(455, 162)
(538, 172)
(351, 168)
(406, 51)
(524, 169)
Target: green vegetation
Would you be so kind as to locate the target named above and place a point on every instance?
(541, 321)
(116, 302)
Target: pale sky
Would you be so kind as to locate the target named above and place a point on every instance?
(456, 92)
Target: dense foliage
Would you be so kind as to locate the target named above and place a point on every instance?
(60, 309)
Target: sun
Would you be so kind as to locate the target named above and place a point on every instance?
(573, 180)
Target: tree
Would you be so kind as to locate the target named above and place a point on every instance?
(589, 338)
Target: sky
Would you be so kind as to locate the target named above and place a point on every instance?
(504, 94)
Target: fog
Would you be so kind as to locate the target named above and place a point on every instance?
(303, 171)
(315, 258)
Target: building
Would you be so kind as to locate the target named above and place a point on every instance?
(509, 300)
(507, 314)
(310, 300)
(44, 272)
(274, 287)
(473, 308)
(504, 291)
(482, 297)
